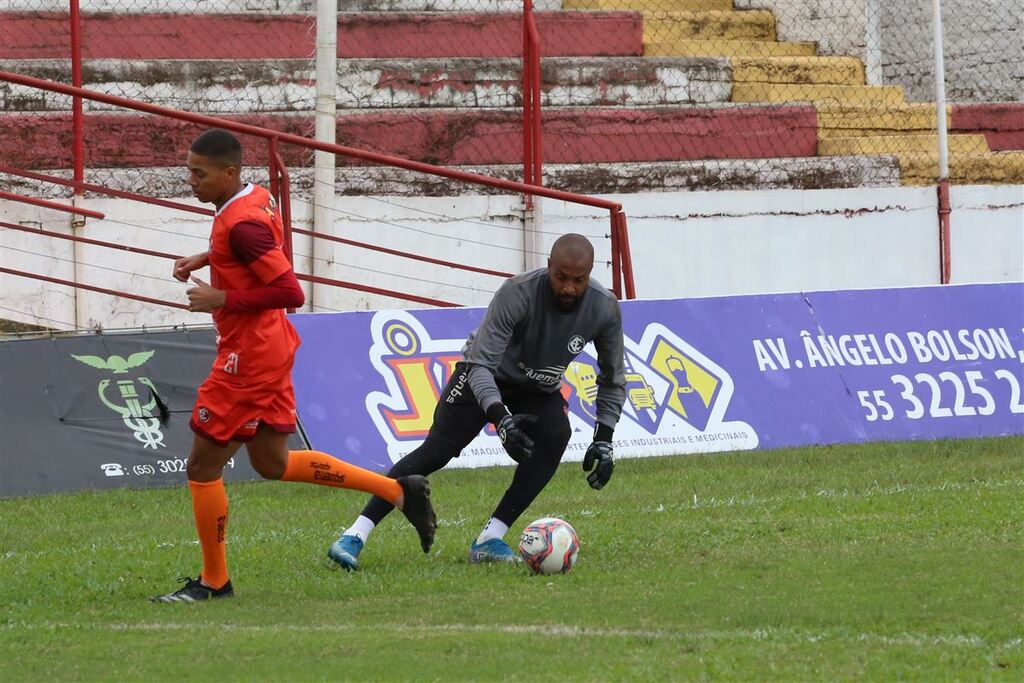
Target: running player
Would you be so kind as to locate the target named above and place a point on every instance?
(248, 396)
(511, 376)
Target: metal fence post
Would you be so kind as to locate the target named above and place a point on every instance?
(945, 269)
(326, 131)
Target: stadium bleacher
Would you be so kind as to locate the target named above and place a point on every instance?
(627, 90)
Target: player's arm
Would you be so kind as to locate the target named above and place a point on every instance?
(611, 372)
(184, 266)
(611, 395)
(508, 307)
(253, 244)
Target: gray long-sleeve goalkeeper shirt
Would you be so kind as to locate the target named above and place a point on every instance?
(527, 341)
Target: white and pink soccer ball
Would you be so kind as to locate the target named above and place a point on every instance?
(549, 546)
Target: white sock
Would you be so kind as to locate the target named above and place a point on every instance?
(361, 528)
(495, 528)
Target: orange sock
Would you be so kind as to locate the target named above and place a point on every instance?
(314, 467)
(210, 507)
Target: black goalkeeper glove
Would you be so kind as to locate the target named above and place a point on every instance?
(599, 458)
(516, 441)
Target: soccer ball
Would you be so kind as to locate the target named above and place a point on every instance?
(549, 546)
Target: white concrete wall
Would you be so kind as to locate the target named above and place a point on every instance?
(683, 244)
(722, 243)
(987, 234)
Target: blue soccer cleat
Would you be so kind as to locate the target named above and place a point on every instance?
(345, 551)
(492, 550)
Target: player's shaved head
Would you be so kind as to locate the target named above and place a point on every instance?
(220, 147)
(572, 247)
(569, 266)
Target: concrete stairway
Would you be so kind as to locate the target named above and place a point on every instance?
(854, 119)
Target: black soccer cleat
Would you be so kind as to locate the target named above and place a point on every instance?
(417, 508)
(195, 591)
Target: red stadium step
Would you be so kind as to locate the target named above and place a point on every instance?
(446, 138)
(1002, 123)
(162, 36)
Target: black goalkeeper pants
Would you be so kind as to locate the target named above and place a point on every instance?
(458, 419)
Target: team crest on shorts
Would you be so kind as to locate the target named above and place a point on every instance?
(204, 415)
(576, 344)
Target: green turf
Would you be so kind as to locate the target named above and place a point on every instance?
(880, 562)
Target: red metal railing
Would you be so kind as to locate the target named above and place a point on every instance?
(622, 273)
(77, 117)
(280, 188)
(99, 189)
(532, 155)
(945, 268)
(92, 288)
(55, 206)
(121, 194)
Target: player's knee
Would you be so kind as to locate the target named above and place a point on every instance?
(268, 468)
(198, 470)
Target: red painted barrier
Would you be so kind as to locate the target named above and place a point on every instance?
(162, 36)
(444, 138)
(1001, 122)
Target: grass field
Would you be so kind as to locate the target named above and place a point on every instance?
(868, 562)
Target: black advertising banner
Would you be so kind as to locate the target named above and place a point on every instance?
(102, 411)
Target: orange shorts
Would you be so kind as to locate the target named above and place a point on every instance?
(227, 412)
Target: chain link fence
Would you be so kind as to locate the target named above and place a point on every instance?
(637, 94)
(864, 71)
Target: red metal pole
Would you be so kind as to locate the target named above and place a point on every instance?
(92, 288)
(88, 213)
(626, 258)
(538, 174)
(284, 201)
(282, 189)
(527, 100)
(274, 188)
(616, 258)
(945, 265)
(77, 118)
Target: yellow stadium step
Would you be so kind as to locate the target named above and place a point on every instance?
(900, 144)
(649, 5)
(993, 168)
(711, 25)
(887, 95)
(726, 48)
(804, 70)
(855, 120)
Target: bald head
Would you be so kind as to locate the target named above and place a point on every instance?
(569, 266)
(572, 247)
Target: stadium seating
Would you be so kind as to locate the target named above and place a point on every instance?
(628, 91)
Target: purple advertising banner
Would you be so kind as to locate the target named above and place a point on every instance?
(703, 375)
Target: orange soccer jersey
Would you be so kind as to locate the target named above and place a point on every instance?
(250, 381)
(252, 347)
